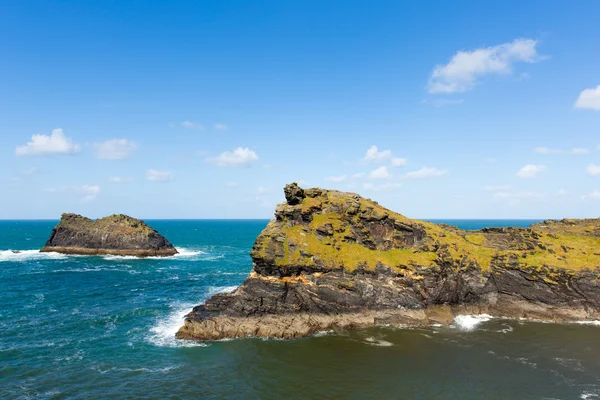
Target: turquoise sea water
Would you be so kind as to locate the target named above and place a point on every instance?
(94, 327)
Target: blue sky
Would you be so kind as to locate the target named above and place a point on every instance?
(206, 109)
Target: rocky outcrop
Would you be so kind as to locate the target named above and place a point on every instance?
(116, 235)
(334, 260)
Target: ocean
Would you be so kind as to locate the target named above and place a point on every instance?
(99, 327)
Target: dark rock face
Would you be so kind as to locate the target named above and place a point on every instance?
(332, 260)
(117, 235)
(294, 194)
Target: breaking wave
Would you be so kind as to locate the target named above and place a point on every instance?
(163, 333)
(468, 323)
(28, 255)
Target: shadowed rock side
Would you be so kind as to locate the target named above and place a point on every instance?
(116, 235)
(332, 260)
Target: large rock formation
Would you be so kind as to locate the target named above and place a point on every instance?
(332, 260)
(117, 235)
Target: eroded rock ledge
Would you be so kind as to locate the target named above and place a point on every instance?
(114, 235)
(334, 260)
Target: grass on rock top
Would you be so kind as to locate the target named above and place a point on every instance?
(117, 224)
(570, 246)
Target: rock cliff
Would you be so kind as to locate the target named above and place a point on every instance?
(117, 235)
(334, 260)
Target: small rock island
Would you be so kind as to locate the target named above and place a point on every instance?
(114, 235)
(333, 260)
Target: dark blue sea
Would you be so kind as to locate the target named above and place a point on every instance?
(100, 327)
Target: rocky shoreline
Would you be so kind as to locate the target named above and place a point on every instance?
(118, 234)
(332, 260)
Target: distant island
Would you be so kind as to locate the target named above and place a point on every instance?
(114, 235)
(333, 260)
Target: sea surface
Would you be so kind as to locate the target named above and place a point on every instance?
(100, 327)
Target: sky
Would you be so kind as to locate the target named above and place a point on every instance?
(206, 109)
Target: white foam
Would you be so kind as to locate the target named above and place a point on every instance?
(378, 342)
(163, 333)
(590, 322)
(27, 255)
(183, 252)
(212, 290)
(470, 322)
(586, 396)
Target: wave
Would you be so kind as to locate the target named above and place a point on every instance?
(163, 333)
(212, 290)
(183, 253)
(589, 396)
(588, 322)
(468, 323)
(378, 342)
(28, 255)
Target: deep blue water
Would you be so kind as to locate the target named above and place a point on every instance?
(95, 327)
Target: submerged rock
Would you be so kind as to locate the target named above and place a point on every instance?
(117, 235)
(334, 260)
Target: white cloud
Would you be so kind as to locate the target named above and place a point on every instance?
(358, 175)
(55, 143)
(519, 195)
(118, 179)
(595, 195)
(575, 150)
(589, 98)
(579, 150)
(238, 157)
(87, 193)
(496, 188)
(593, 169)
(264, 190)
(491, 160)
(399, 162)
(114, 149)
(462, 72)
(375, 156)
(341, 178)
(232, 184)
(386, 187)
(561, 192)
(29, 171)
(380, 173)
(425, 173)
(530, 170)
(90, 192)
(221, 127)
(546, 150)
(191, 125)
(159, 176)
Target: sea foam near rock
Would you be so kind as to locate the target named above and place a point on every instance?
(469, 323)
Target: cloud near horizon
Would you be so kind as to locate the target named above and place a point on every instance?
(240, 156)
(54, 144)
(574, 150)
(426, 173)
(86, 193)
(530, 171)
(114, 149)
(159, 176)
